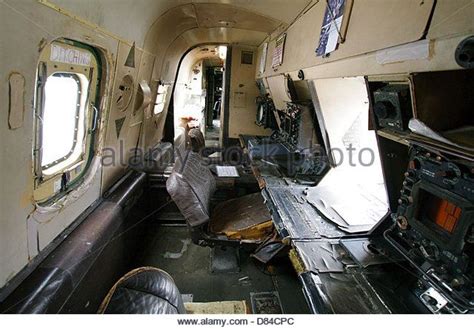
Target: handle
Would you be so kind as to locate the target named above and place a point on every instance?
(96, 118)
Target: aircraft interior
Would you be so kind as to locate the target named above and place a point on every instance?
(237, 157)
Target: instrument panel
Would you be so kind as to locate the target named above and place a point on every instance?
(434, 229)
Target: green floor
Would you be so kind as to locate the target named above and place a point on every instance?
(170, 249)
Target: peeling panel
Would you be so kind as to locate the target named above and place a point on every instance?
(17, 101)
(56, 222)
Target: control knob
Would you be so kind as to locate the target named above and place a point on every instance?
(384, 110)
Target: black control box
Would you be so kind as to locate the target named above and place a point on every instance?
(393, 107)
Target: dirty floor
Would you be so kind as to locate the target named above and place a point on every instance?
(170, 248)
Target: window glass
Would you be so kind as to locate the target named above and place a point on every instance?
(63, 118)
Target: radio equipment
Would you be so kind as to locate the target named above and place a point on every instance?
(434, 229)
(293, 144)
(266, 113)
(265, 108)
(392, 107)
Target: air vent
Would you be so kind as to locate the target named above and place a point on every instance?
(247, 57)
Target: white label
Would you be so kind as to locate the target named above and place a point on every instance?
(70, 56)
(57, 186)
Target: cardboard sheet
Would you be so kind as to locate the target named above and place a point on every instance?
(351, 207)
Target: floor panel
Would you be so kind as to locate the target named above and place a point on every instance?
(171, 249)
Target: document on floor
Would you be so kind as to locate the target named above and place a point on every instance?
(227, 171)
(353, 209)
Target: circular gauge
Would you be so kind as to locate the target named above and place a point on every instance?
(452, 173)
(124, 93)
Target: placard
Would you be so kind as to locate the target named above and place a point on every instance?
(278, 51)
(332, 26)
(70, 56)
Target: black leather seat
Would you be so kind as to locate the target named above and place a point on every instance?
(145, 290)
(191, 186)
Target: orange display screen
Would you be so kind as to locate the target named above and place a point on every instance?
(441, 212)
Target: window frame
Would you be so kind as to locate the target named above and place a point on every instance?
(49, 187)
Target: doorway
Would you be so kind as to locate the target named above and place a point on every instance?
(199, 97)
(214, 88)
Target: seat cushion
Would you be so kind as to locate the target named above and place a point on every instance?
(145, 290)
(244, 218)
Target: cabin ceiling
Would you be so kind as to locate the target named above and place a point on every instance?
(133, 21)
(281, 10)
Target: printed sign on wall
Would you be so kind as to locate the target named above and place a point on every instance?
(70, 56)
(332, 26)
(278, 51)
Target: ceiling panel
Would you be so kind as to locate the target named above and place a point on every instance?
(131, 19)
(282, 10)
(214, 15)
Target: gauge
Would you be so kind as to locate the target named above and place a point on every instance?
(452, 174)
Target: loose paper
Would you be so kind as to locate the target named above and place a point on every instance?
(227, 171)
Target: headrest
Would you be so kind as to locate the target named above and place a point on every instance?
(196, 139)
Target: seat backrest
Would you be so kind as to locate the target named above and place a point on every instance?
(187, 139)
(145, 290)
(191, 186)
